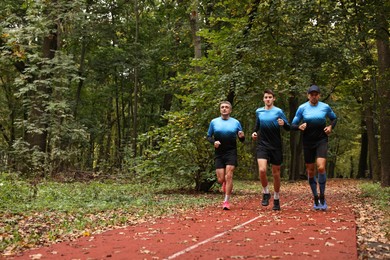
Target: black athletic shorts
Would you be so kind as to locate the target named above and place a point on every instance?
(274, 157)
(311, 153)
(227, 158)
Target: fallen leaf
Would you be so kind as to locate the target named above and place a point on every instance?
(329, 244)
(36, 256)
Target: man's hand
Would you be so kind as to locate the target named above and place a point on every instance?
(241, 134)
(280, 122)
(254, 135)
(328, 129)
(303, 127)
(217, 144)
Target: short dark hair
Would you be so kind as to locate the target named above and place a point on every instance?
(269, 91)
(226, 102)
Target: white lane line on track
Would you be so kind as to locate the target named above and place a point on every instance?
(211, 239)
(218, 235)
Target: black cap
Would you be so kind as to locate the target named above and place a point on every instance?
(313, 88)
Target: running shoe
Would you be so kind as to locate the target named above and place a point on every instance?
(317, 205)
(266, 197)
(323, 206)
(226, 205)
(224, 187)
(322, 199)
(276, 205)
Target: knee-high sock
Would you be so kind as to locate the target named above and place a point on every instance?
(313, 185)
(322, 182)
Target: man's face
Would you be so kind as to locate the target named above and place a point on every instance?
(313, 97)
(225, 109)
(268, 99)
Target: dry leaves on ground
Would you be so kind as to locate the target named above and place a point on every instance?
(372, 223)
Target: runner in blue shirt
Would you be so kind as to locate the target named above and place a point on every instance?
(313, 116)
(223, 132)
(269, 119)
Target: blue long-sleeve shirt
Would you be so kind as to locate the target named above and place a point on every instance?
(315, 118)
(267, 127)
(226, 132)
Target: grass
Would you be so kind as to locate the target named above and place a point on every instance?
(380, 195)
(19, 197)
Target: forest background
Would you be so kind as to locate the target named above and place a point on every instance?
(120, 94)
(126, 89)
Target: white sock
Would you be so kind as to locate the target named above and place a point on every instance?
(276, 195)
(227, 197)
(265, 190)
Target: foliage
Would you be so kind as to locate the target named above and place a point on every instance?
(120, 93)
(75, 198)
(177, 153)
(120, 76)
(43, 90)
(380, 195)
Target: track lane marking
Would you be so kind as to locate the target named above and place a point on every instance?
(220, 234)
(211, 238)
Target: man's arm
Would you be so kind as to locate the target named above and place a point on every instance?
(256, 129)
(210, 134)
(241, 136)
(286, 124)
(240, 133)
(333, 118)
(297, 119)
(210, 139)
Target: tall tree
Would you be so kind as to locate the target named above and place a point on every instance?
(366, 90)
(383, 46)
(45, 75)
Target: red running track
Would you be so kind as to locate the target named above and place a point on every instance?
(247, 231)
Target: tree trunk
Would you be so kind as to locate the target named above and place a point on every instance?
(295, 142)
(195, 38)
(352, 172)
(372, 133)
(135, 104)
(330, 169)
(363, 153)
(118, 140)
(9, 136)
(81, 68)
(81, 81)
(39, 99)
(382, 43)
(332, 162)
(105, 155)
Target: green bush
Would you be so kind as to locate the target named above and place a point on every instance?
(176, 153)
(379, 194)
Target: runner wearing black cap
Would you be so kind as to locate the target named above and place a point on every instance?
(311, 119)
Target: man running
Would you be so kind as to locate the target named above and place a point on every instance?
(222, 133)
(269, 119)
(313, 114)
